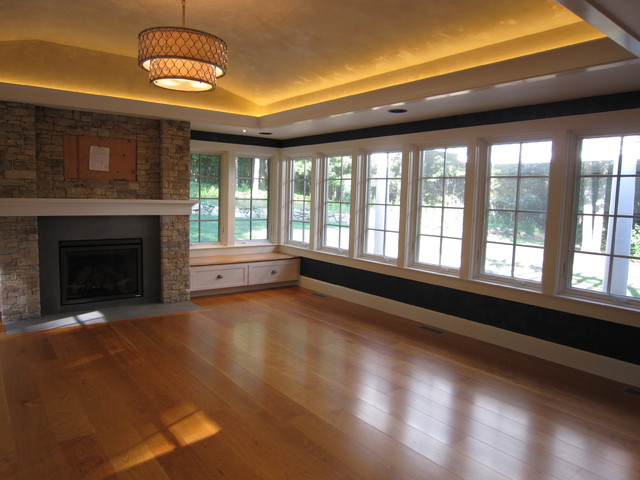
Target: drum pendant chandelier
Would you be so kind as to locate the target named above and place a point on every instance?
(180, 58)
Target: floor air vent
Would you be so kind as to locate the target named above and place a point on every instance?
(319, 295)
(431, 329)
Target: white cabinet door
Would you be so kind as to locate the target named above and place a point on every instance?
(223, 276)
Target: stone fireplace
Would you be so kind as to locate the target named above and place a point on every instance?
(37, 196)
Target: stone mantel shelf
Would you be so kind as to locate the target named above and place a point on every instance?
(61, 207)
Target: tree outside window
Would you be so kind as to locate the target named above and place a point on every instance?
(252, 198)
(514, 234)
(204, 172)
(606, 250)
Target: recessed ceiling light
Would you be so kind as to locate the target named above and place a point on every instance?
(397, 110)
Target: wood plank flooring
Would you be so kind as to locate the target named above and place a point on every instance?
(283, 384)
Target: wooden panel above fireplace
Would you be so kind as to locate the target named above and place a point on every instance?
(99, 158)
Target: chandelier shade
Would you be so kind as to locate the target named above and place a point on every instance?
(180, 58)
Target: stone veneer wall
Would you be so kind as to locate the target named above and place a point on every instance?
(19, 272)
(19, 269)
(174, 229)
(17, 150)
(32, 166)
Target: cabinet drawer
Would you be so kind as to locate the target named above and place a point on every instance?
(273, 272)
(206, 278)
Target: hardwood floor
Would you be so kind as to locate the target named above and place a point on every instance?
(283, 384)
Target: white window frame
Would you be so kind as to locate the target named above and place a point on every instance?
(363, 178)
(289, 214)
(322, 211)
(221, 215)
(570, 214)
(415, 201)
(271, 215)
(482, 200)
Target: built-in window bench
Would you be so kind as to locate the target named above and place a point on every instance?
(227, 273)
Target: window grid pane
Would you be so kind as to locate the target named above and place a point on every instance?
(440, 217)
(606, 249)
(337, 205)
(518, 185)
(383, 200)
(204, 175)
(252, 198)
(300, 202)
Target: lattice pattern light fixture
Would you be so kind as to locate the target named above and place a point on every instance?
(180, 58)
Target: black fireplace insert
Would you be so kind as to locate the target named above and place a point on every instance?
(99, 270)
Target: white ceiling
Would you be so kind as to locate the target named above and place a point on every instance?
(303, 68)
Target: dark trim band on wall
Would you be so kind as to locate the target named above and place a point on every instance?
(609, 339)
(235, 139)
(580, 106)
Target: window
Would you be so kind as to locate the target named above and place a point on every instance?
(205, 188)
(514, 232)
(252, 198)
(441, 206)
(337, 205)
(300, 206)
(382, 222)
(606, 249)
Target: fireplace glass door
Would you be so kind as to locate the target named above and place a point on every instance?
(99, 270)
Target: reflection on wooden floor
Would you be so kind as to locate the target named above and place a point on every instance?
(283, 384)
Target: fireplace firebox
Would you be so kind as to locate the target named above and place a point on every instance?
(99, 270)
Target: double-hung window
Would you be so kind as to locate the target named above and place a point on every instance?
(204, 173)
(337, 204)
(300, 200)
(516, 210)
(606, 246)
(440, 215)
(382, 209)
(252, 198)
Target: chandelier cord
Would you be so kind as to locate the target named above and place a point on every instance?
(184, 2)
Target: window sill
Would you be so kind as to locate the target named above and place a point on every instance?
(213, 245)
(212, 249)
(435, 270)
(508, 283)
(632, 305)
